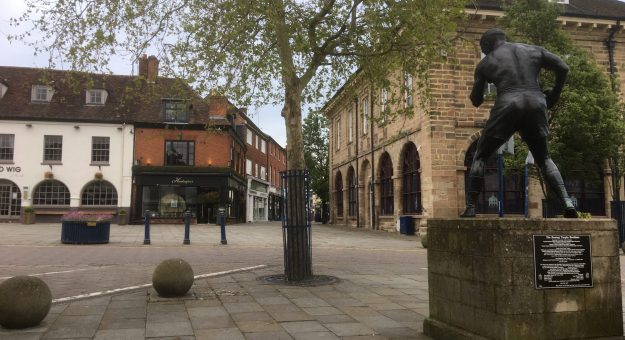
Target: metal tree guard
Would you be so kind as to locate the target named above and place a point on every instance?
(296, 229)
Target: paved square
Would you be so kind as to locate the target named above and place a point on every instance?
(382, 292)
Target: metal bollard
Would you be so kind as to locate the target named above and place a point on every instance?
(222, 221)
(187, 223)
(146, 221)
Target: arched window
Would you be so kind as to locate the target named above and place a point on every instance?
(587, 194)
(10, 199)
(411, 181)
(338, 187)
(51, 192)
(351, 182)
(488, 201)
(99, 193)
(386, 185)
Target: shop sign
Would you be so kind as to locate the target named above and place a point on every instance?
(11, 170)
(180, 180)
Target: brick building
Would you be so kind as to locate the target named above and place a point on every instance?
(262, 167)
(383, 169)
(123, 142)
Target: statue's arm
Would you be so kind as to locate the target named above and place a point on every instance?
(477, 93)
(561, 69)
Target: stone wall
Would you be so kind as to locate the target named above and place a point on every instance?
(481, 281)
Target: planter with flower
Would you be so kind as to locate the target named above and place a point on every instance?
(81, 227)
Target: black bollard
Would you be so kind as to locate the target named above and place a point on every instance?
(222, 221)
(146, 221)
(187, 223)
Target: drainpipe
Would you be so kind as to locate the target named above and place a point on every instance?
(356, 140)
(610, 43)
(372, 201)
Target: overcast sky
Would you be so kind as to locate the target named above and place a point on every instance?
(17, 54)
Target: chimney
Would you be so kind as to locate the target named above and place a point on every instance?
(143, 66)
(152, 69)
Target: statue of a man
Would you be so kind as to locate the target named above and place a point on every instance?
(520, 106)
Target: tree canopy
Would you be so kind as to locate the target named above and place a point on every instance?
(586, 126)
(316, 153)
(255, 52)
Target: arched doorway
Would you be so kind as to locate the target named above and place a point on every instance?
(10, 199)
(338, 194)
(411, 181)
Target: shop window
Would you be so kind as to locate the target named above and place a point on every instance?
(179, 152)
(51, 192)
(386, 185)
(99, 193)
(52, 148)
(411, 181)
(100, 147)
(10, 199)
(169, 201)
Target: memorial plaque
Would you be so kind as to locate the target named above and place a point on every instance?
(562, 261)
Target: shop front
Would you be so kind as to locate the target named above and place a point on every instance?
(258, 201)
(168, 196)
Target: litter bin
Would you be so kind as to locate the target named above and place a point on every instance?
(406, 225)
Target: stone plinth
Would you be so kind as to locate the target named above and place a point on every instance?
(481, 282)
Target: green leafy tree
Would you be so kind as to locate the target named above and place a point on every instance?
(316, 153)
(255, 52)
(587, 124)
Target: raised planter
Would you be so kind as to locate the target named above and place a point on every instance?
(80, 232)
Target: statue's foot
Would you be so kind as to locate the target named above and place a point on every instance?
(570, 213)
(468, 212)
(569, 209)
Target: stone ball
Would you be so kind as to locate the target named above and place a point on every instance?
(172, 278)
(24, 302)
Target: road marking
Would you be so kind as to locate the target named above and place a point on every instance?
(52, 273)
(126, 289)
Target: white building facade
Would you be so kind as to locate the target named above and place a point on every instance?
(59, 166)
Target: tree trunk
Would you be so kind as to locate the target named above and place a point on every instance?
(296, 227)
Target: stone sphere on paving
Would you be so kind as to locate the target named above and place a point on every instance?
(172, 278)
(24, 302)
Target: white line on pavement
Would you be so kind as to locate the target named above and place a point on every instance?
(125, 289)
(52, 273)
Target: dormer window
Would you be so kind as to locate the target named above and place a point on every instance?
(42, 93)
(175, 111)
(3, 90)
(96, 97)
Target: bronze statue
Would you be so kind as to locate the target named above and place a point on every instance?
(520, 106)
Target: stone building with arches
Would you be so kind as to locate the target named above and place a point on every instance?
(382, 168)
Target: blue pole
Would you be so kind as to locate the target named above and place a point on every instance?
(500, 166)
(187, 223)
(146, 221)
(222, 221)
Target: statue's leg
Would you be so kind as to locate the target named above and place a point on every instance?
(553, 178)
(486, 146)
